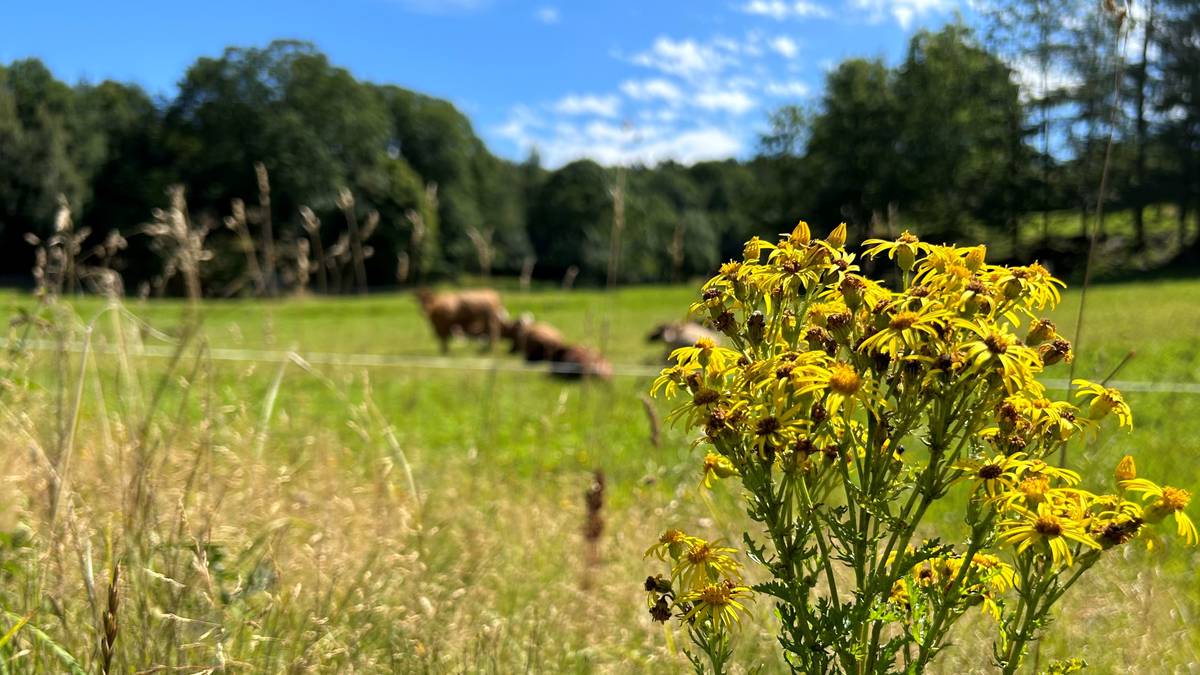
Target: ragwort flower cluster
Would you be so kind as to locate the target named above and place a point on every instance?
(846, 409)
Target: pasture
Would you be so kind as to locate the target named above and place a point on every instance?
(427, 515)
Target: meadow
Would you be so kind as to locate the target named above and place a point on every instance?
(427, 515)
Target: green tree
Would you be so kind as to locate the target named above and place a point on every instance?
(1179, 104)
(570, 223)
(960, 153)
(46, 150)
(853, 142)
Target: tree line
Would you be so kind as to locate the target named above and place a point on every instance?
(286, 171)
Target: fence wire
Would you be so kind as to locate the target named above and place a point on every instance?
(482, 364)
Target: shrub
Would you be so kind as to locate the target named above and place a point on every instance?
(847, 410)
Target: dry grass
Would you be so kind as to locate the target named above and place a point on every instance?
(254, 534)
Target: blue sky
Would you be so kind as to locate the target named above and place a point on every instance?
(617, 81)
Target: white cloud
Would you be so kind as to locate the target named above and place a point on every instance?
(685, 58)
(780, 10)
(647, 90)
(691, 106)
(904, 12)
(784, 46)
(732, 101)
(612, 144)
(789, 89)
(547, 15)
(588, 104)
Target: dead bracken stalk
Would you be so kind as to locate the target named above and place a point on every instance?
(482, 242)
(236, 222)
(568, 281)
(268, 236)
(652, 420)
(179, 243)
(346, 204)
(527, 272)
(593, 525)
(312, 227)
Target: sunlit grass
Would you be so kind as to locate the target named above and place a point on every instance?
(316, 553)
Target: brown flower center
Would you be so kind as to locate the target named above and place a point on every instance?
(996, 343)
(1048, 526)
(766, 426)
(990, 471)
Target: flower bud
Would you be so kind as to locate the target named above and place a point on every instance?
(906, 250)
(840, 324)
(975, 257)
(852, 288)
(1040, 330)
(756, 326)
(790, 325)
(1126, 470)
(801, 235)
(1055, 351)
(752, 251)
(1007, 417)
(1012, 289)
(837, 238)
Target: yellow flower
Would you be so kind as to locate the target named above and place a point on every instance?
(1032, 283)
(846, 388)
(1167, 501)
(999, 574)
(1046, 530)
(907, 329)
(1115, 521)
(904, 249)
(992, 476)
(704, 563)
(715, 467)
(718, 603)
(1104, 401)
(899, 593)
(668, 382)
(1038, 467)
(995, 349)
(1032, 490)
(706, 354)
(672, 543)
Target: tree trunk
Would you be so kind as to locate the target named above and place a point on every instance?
(1139, 162)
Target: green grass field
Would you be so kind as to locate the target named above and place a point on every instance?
(265, 516)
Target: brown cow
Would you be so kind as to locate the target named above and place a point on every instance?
(473, 313)
(533, 340)
(681, 334)
(578, 361)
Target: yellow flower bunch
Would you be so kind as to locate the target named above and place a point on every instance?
(845, 406)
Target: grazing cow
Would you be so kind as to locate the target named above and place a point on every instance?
(578, 361)
(473, 313)
(534, 341)
(681, 334)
